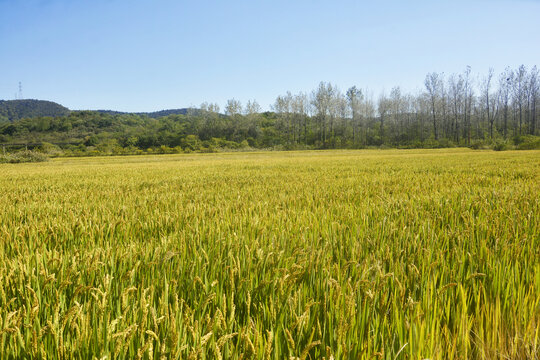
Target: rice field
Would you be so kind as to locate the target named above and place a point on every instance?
(394, 254)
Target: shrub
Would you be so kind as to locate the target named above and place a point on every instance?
(209, 149)
(446, 143)
(164, 149)
(23, 156)
(500, 146)
(518, 139)
(479, 145)
(50, 149)
(529, 143)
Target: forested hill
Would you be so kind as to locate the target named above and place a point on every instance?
(11, 110)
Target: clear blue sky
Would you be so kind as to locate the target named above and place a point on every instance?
(142, 55)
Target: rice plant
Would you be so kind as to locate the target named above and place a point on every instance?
(292, 255)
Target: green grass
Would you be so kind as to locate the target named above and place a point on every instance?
(396, 254)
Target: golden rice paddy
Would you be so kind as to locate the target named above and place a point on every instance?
(395, 254)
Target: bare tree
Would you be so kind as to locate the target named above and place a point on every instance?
(518, 89)
(468, 102)
(282, 107)
(210, 115)
(337, 106)
(368, 111)
(383, 106)
(300, 113)
(396, 104)
(234, 110)
(433, 83)
(233, 107)
(456, 100)
(488, 100)
(252, 107)
(354, 100)
(505, 81)
(443, 105)
(321, 99)
(534, 92)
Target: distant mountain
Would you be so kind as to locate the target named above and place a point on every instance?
(11, 110)
(155, 114)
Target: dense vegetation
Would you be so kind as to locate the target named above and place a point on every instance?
(453, 111)
(11, 110)
(287, 255)
(22, 157)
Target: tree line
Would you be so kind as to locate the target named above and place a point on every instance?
(451, 110)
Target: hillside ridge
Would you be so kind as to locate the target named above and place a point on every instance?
(11, 110)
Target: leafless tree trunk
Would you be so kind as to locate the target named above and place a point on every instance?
(432, 84)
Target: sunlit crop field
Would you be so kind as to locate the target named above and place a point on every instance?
(396, 254)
